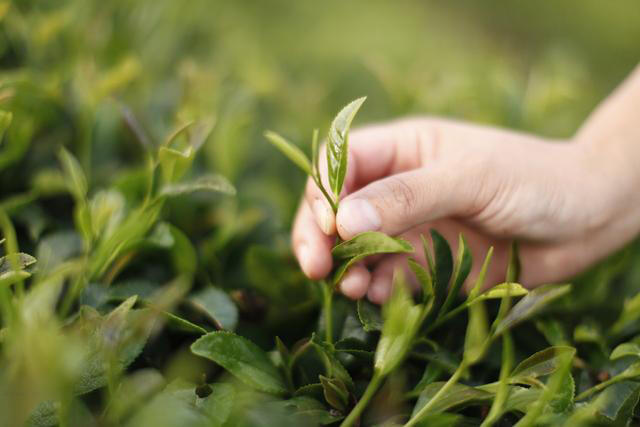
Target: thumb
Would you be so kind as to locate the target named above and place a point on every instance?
(399, 202)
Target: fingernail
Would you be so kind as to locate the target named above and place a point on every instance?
(323, 215)
(304, 258)
(357, 216)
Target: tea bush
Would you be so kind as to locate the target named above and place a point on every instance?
(145, 276)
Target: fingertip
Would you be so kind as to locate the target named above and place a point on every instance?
(379, 291)
(355, 216)
(324, 216)
(355, 282)
(315, 264)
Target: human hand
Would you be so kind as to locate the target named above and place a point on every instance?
(566, 203)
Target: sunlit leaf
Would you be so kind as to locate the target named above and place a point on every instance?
(337, 145)
(209, 183)
(626, 349)
(292, 152)
(542, 363)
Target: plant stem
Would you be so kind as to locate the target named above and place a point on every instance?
(599, 387)
(369, 392)
(450, 383)
(327, 291)
(334, 205)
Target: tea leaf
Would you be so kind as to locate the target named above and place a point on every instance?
(443, 263)
(616, 402)
(459, 395)
(364, 245)
(476, 339)
(402, 319)
(335, 369)
(219, 404)
(315, 155)
(312, 411)
(218, 306)
(291, 151)
(174, 163)
(424, 278)
(242, 358)
(369, 316)
(501, 290)
(20, 259)
(212, 183)
(335, 393)
(5, 121)
(531, 304)
(76, 180)
(542, 363)
(625, 349)
(460, 273)
(337, 146)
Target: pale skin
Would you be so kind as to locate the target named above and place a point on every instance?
(569, 203)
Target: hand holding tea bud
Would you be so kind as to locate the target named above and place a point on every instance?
(569, 203)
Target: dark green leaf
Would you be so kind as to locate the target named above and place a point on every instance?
(443, 262)
(460, 273)
(337, 146)
(218, 306)
(242, 358)
(290, 150)
(369, 315)
(335, 369)
(335, 393)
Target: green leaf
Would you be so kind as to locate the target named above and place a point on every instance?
(315, 154)
(311, 410)
(531, 304)
(242, 358)
(335, 369)
(292, 152)
(617, 401)
(424, 278)
(338, 145)
(210, 183)
(218, 405)
(218, 306)
(76, 180)
(174, 163)
(479, 284)
(460, 273)
(443, 262)
(625, 349)
(503, 289)
(364, 245)
(369, 315)
(513, 267)
(542, 363)
(476, 339)
(20, 261)
(402, 319)
(5, 121)
(459, 395)
(335, 393)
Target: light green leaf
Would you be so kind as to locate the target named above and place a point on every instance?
(76, 180)
(476, 339)
(218, 306)
(337, 146)
(625, 349)
(5, 121)
(531, 304)
(292, 152)
(242, 358)
(218, 405)
(501, 290)
(364, 245)
(402, 319)
(424, 278)
(211, 183)
(174, 163)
